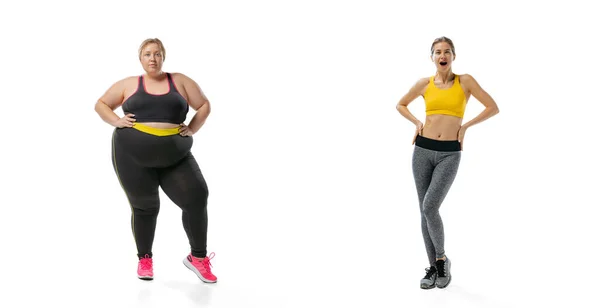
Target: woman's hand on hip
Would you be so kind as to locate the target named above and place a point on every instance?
(461, 135)
(418, 131)
(127, 121)
(184, 130)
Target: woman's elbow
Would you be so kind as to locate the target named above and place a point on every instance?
(98, 105)
(206, 107)
(496, 110)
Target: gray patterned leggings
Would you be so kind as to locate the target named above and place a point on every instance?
(435, 164)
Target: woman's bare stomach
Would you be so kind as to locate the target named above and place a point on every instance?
(441, 127)
(160, 124)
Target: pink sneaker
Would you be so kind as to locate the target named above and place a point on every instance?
(145, 271)
(201, 267)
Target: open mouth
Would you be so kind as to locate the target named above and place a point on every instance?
(443, 63)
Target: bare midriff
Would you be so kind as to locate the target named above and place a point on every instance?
(441, 127)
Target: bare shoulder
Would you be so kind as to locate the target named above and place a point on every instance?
(130, 81)
(422, 82)
(189, 85)
(124, 84)
(421, 85)
(417, 89)
(469, 83)
(115, 95)
(466, 78)
(177, 75)
(183, 78)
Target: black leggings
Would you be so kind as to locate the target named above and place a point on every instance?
(146, 158)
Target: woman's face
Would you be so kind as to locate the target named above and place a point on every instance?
(151, 58)
(442, 56)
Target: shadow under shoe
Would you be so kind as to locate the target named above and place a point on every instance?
(443, 270)
(428, 282)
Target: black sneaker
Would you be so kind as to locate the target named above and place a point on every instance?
(443, 270)
(428, 281)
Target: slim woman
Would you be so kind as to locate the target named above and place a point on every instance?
(151, 148)
(438, 146)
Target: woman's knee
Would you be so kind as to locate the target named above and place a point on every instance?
(147, 205)
(431, 210)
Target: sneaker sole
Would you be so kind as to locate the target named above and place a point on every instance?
(193, 269)
(427, 287)
(449, 280)
(145, 278)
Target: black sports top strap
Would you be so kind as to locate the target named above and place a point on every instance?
(171, 83)
(140, 83)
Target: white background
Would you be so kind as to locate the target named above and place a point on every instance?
(312, 202)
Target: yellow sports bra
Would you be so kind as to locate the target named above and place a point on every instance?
(451, 101)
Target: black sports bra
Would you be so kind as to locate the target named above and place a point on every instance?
(170, 107)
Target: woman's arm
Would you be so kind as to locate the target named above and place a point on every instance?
(415, 91)
(111, 100)
(491, 108)
(198, 101)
